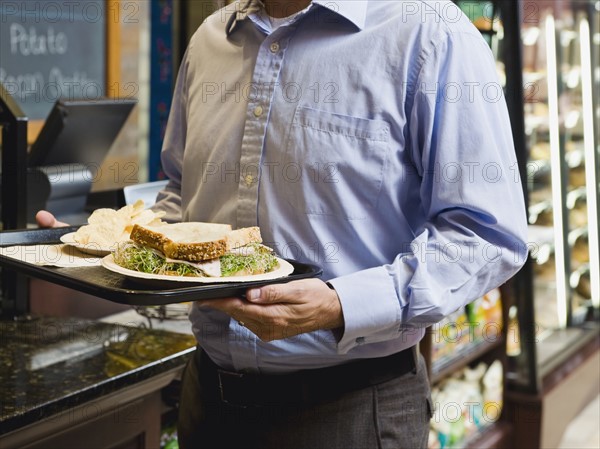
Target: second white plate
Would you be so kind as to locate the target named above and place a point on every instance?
(93, 249)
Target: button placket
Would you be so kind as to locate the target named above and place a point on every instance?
(266, 71)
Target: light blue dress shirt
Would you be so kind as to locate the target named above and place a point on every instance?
(369, 137)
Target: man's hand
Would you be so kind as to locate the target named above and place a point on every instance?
(278, 311)
(46, 220)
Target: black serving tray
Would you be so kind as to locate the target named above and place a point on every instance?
(100, 282)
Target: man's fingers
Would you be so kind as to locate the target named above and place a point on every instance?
(290, 292)
(45, 219)
(267, 294)
(283, 310)
(239, 309)
(227, 305)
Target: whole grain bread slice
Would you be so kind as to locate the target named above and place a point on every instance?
(146, 236)
(194, 241)
(195, 252)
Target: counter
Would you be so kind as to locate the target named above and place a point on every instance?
(60, 374)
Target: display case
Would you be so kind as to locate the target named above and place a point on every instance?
(561, 116)
(563, 181)
(559, 44)
(547, 57)
(547, 54)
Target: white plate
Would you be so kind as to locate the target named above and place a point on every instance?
(93, 249)
(285, 269)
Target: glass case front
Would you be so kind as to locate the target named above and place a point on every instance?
(563, 213)
(557, 48)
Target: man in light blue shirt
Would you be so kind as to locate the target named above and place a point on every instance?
(368, 137)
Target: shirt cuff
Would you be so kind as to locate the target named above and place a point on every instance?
(370, 306)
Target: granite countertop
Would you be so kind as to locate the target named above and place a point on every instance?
(49, 365)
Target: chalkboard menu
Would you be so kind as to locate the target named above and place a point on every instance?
(52, 50)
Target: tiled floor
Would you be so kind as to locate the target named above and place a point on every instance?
(584, 431)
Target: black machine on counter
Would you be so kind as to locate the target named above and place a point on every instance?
(57, 173)
(66, 157)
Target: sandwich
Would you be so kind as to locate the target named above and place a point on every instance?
(196, 249)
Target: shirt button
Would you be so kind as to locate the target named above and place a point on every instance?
(249, 180)
(258, 110)
(274, 47)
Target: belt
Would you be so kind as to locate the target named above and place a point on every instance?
(305, 386)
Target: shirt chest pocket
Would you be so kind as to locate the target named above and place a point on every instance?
(335, 163)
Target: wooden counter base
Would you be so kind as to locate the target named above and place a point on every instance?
(128, 418)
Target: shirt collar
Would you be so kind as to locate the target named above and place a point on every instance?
(354, 11)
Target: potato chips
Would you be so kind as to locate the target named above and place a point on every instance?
(108, 226)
